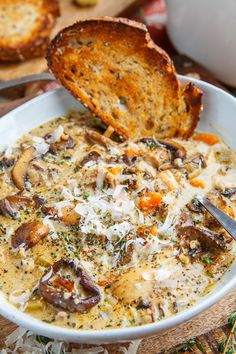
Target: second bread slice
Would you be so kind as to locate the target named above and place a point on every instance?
(25, 26)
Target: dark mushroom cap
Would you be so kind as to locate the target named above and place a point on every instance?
(208, 239)
(92, 156)
(62, 145)
(195, 206)
(7, 209)
(12, 203)
(29, 234)
(229, 192)
(19, 171)
(55, 296)
(176, 150)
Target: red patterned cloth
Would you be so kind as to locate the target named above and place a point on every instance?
(153, 15)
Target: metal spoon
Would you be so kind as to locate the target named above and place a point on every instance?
(26, 79)
(225, 220)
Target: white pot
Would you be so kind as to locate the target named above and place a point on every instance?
(205, 30)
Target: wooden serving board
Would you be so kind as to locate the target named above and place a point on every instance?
(209, 321)
(70, 13)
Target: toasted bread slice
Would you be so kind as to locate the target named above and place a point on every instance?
(113, 67)
(25, 27)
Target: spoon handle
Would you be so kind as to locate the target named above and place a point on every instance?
(226, 221)
(26, 79)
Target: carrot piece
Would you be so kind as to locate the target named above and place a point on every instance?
(103, 283)
(115, 170)
(65, 283)
(211, 268)
(230, 212)
(207, 138)
(218, 259)
(144, 231)
(198, 183)
(132, 152)
(149, 201)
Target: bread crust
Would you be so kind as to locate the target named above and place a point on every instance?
(192, 98)
(34, 42)
(125, 57)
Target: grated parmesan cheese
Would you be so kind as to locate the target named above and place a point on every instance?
(47, 221)
(169, 224)
(23, 341)
(41, 147)
(20, 299)
(56, 135)
(95, 210)
(100, 177)
(164, 273)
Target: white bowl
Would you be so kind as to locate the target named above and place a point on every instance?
(205, 31)
(218, 116)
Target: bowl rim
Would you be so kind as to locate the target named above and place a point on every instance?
(115, 334)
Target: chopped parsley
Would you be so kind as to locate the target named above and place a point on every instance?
(42, 339)
(208, 260)
(86, 194)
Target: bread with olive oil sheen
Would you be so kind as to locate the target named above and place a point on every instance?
(114, 68)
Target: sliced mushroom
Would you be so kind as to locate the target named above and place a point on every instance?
(150, 142)
(63, 144)
(99, 138)
(197, 158)
(143, 305)
(92, 156)
(128, 160)
(19, 171)
(2, 230)
(185, 219)
(230, 192)
(177, 150)
(6, 163)
(18, 200)
(63, 297)
(195, 206)
(126, 258)
(159, 156)
(39, 165)
(11, 204)
(67, 215)
(38, 201)
(209, 240)
(29, 234)
(50, 211)
(125, 158)
(7, 209)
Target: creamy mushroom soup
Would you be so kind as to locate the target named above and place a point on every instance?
(96, 232)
